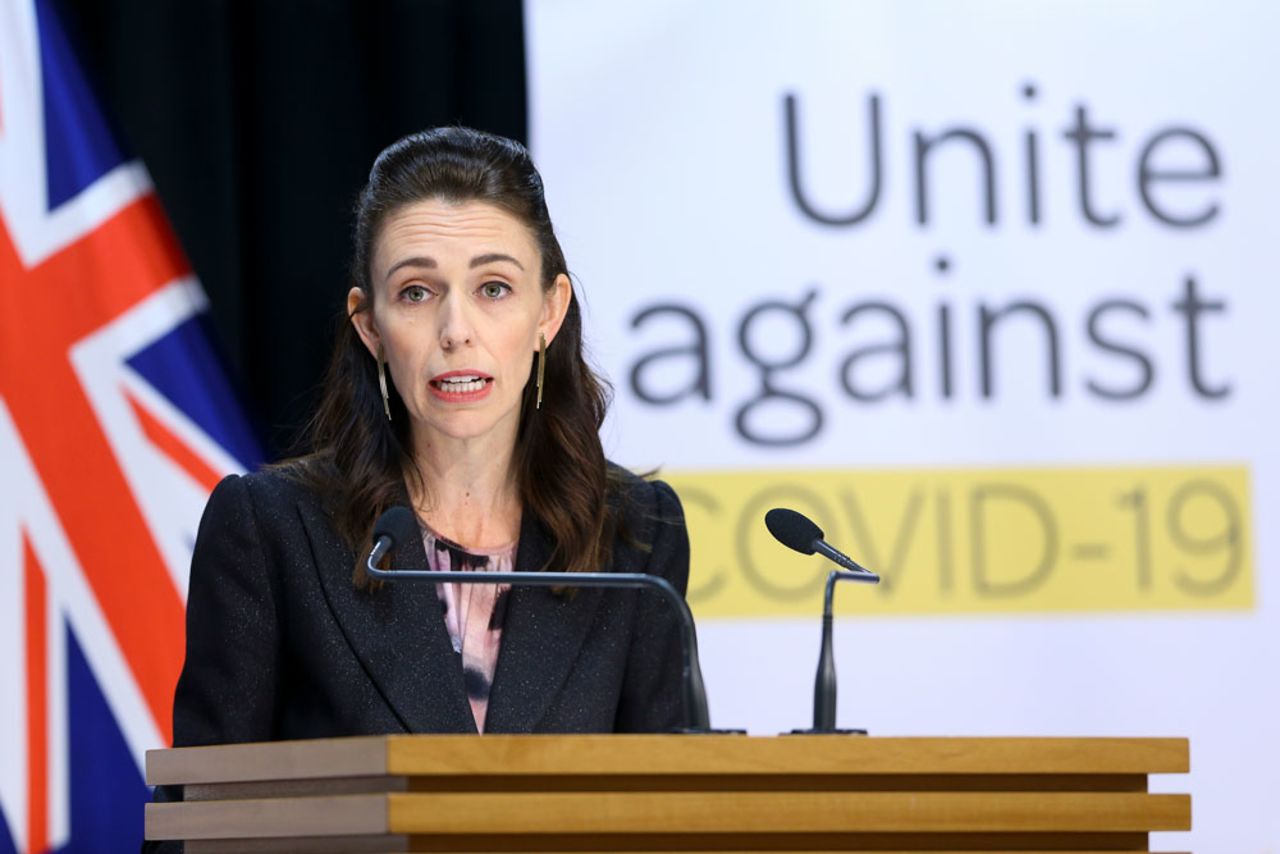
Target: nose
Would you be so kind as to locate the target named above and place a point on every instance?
(456, 328)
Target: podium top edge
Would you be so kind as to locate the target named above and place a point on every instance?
(664, 755)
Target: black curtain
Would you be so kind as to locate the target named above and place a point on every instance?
(259, 121)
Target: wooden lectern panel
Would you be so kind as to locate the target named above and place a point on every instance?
(633, 755)
(666, 793)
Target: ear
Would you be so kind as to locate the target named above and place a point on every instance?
(361, 314)
(555, 305)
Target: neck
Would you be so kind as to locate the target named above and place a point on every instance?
(468, 491)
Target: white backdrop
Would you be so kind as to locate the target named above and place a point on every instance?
(986, 288)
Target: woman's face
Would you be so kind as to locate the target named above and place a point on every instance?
(458, 309)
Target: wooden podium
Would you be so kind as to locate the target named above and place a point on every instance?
(670, 793)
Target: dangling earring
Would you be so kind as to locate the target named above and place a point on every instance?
(542, 366)
(382, 384)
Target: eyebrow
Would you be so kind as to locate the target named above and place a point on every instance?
(415, 261)
(489, 258)
(430, 263)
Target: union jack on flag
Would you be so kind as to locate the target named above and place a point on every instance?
(116, 421)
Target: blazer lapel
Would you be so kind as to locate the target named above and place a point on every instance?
(397, 632)
(541, 636)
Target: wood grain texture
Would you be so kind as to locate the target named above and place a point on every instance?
(255, 789)
(672, 793)
(383, 844)
(739, 844)
(851, 782)
(620, 755)
(338, 815)
(727, 754)
(360, 756)
(785, 812)
(303, 845)
(869, 843)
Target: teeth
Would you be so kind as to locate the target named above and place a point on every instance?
(461, 385)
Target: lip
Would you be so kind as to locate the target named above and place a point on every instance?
(447, 396)
(461, 373)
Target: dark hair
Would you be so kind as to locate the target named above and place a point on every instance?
(359, 459)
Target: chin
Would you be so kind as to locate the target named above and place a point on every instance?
(463, 424)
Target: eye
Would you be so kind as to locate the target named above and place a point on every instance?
(415, 293)
(495, 290)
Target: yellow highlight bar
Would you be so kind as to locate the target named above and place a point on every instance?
(959, 541)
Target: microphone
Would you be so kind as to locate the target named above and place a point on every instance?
(399, 524)
(396, 525)
(798, 532)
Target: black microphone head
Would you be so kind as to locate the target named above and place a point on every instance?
(398, 524)
(794, 530)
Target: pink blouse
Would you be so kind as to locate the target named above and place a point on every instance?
(473, 613)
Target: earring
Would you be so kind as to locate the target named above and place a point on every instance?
(542, 366)
(382, 384)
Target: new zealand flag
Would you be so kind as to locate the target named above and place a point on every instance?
(116, 421)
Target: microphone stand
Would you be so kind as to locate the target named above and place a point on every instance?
(697, 718)
(824, 687)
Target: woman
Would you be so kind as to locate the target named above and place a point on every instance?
(458, 388)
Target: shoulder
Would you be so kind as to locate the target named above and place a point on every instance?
(650, 531)
(642, 501)
(258, 498)
(649, 525)
(273, 485)
(255, 525)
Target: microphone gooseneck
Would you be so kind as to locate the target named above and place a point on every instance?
(399, 524)
(799, 533)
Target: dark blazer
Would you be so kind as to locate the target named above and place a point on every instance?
(282, 645)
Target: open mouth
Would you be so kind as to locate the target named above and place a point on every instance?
(461, 386)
